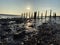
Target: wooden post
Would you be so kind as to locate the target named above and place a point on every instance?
(35, 13)
(26, 15)
(45, 15)
(41, 17)
(54, 16)
(50, 14)
(38, 14)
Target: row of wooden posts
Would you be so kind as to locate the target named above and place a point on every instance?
(36, 15)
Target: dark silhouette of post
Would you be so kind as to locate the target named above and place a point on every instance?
(45, 15)
(38, 14)
(50, 14)
(26, 15)
(22, 15)
(35, 14)
(54, 16)
(41, 17)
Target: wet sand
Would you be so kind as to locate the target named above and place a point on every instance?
(27, 33)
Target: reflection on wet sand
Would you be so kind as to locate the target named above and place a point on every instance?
(30, 26)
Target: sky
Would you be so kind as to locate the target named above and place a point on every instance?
(19, 6)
